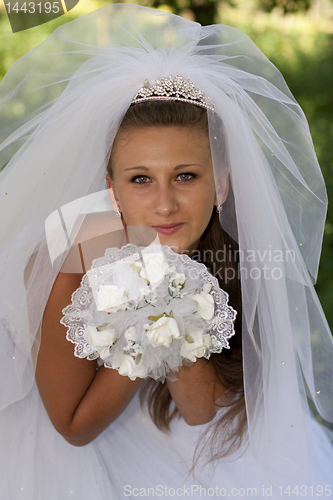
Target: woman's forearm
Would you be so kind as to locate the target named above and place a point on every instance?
(106, 398)
(195, 392)
(81, 402)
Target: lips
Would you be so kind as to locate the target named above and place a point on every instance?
(168, 229)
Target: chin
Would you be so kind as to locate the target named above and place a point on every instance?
(178, 246)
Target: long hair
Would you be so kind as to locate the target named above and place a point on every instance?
(225, 434)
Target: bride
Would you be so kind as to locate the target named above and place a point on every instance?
(195, 137)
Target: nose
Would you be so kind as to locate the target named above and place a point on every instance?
(166, 203)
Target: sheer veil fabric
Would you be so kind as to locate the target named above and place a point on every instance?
(60, 107)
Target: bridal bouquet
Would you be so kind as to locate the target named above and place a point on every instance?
(146, 311)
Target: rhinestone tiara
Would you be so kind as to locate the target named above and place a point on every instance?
(173, 89)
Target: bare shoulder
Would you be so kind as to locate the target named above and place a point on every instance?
(98, 231)
(97, 224)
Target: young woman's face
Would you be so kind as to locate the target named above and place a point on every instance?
(163, 178)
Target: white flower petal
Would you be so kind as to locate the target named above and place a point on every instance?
(155, 267)
(111, 298)
(130, 333)
(162, 332)
(178, 279)
(205, 304)
(195, 345)
(131, 369)
(101, 341)
(127, 366)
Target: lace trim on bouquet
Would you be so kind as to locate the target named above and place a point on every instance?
(146, 311)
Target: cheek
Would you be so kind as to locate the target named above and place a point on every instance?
(135, 206)
(207, 207)
(202, 200)
(200, 209)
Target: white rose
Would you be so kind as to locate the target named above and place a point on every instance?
(205, 302)
(101, 340)
(195, 345)
(156, 267)
(162, 331)
(130, 368)
(111, 298)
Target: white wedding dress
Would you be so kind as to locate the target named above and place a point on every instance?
(131, 459)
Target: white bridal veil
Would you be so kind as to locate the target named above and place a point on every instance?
(60, 107)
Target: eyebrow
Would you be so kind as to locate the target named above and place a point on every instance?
(178, 167)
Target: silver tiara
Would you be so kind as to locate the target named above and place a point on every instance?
(173, 89)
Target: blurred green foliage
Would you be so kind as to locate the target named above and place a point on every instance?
(303, 52)
(285, 5)
(203, 11)
(14, 45)
(300, 46)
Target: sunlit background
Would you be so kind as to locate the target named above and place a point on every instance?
(297, 35)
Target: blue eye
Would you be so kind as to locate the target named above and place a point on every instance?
(186, 176)
(140, 179)
(144, 179)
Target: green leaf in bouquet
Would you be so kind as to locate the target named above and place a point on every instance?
(102, 327)
(138, 359)
(156, 318)
(137, 269)
(188, 338)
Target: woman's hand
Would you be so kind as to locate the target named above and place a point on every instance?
(195, 392)
(81, 402)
